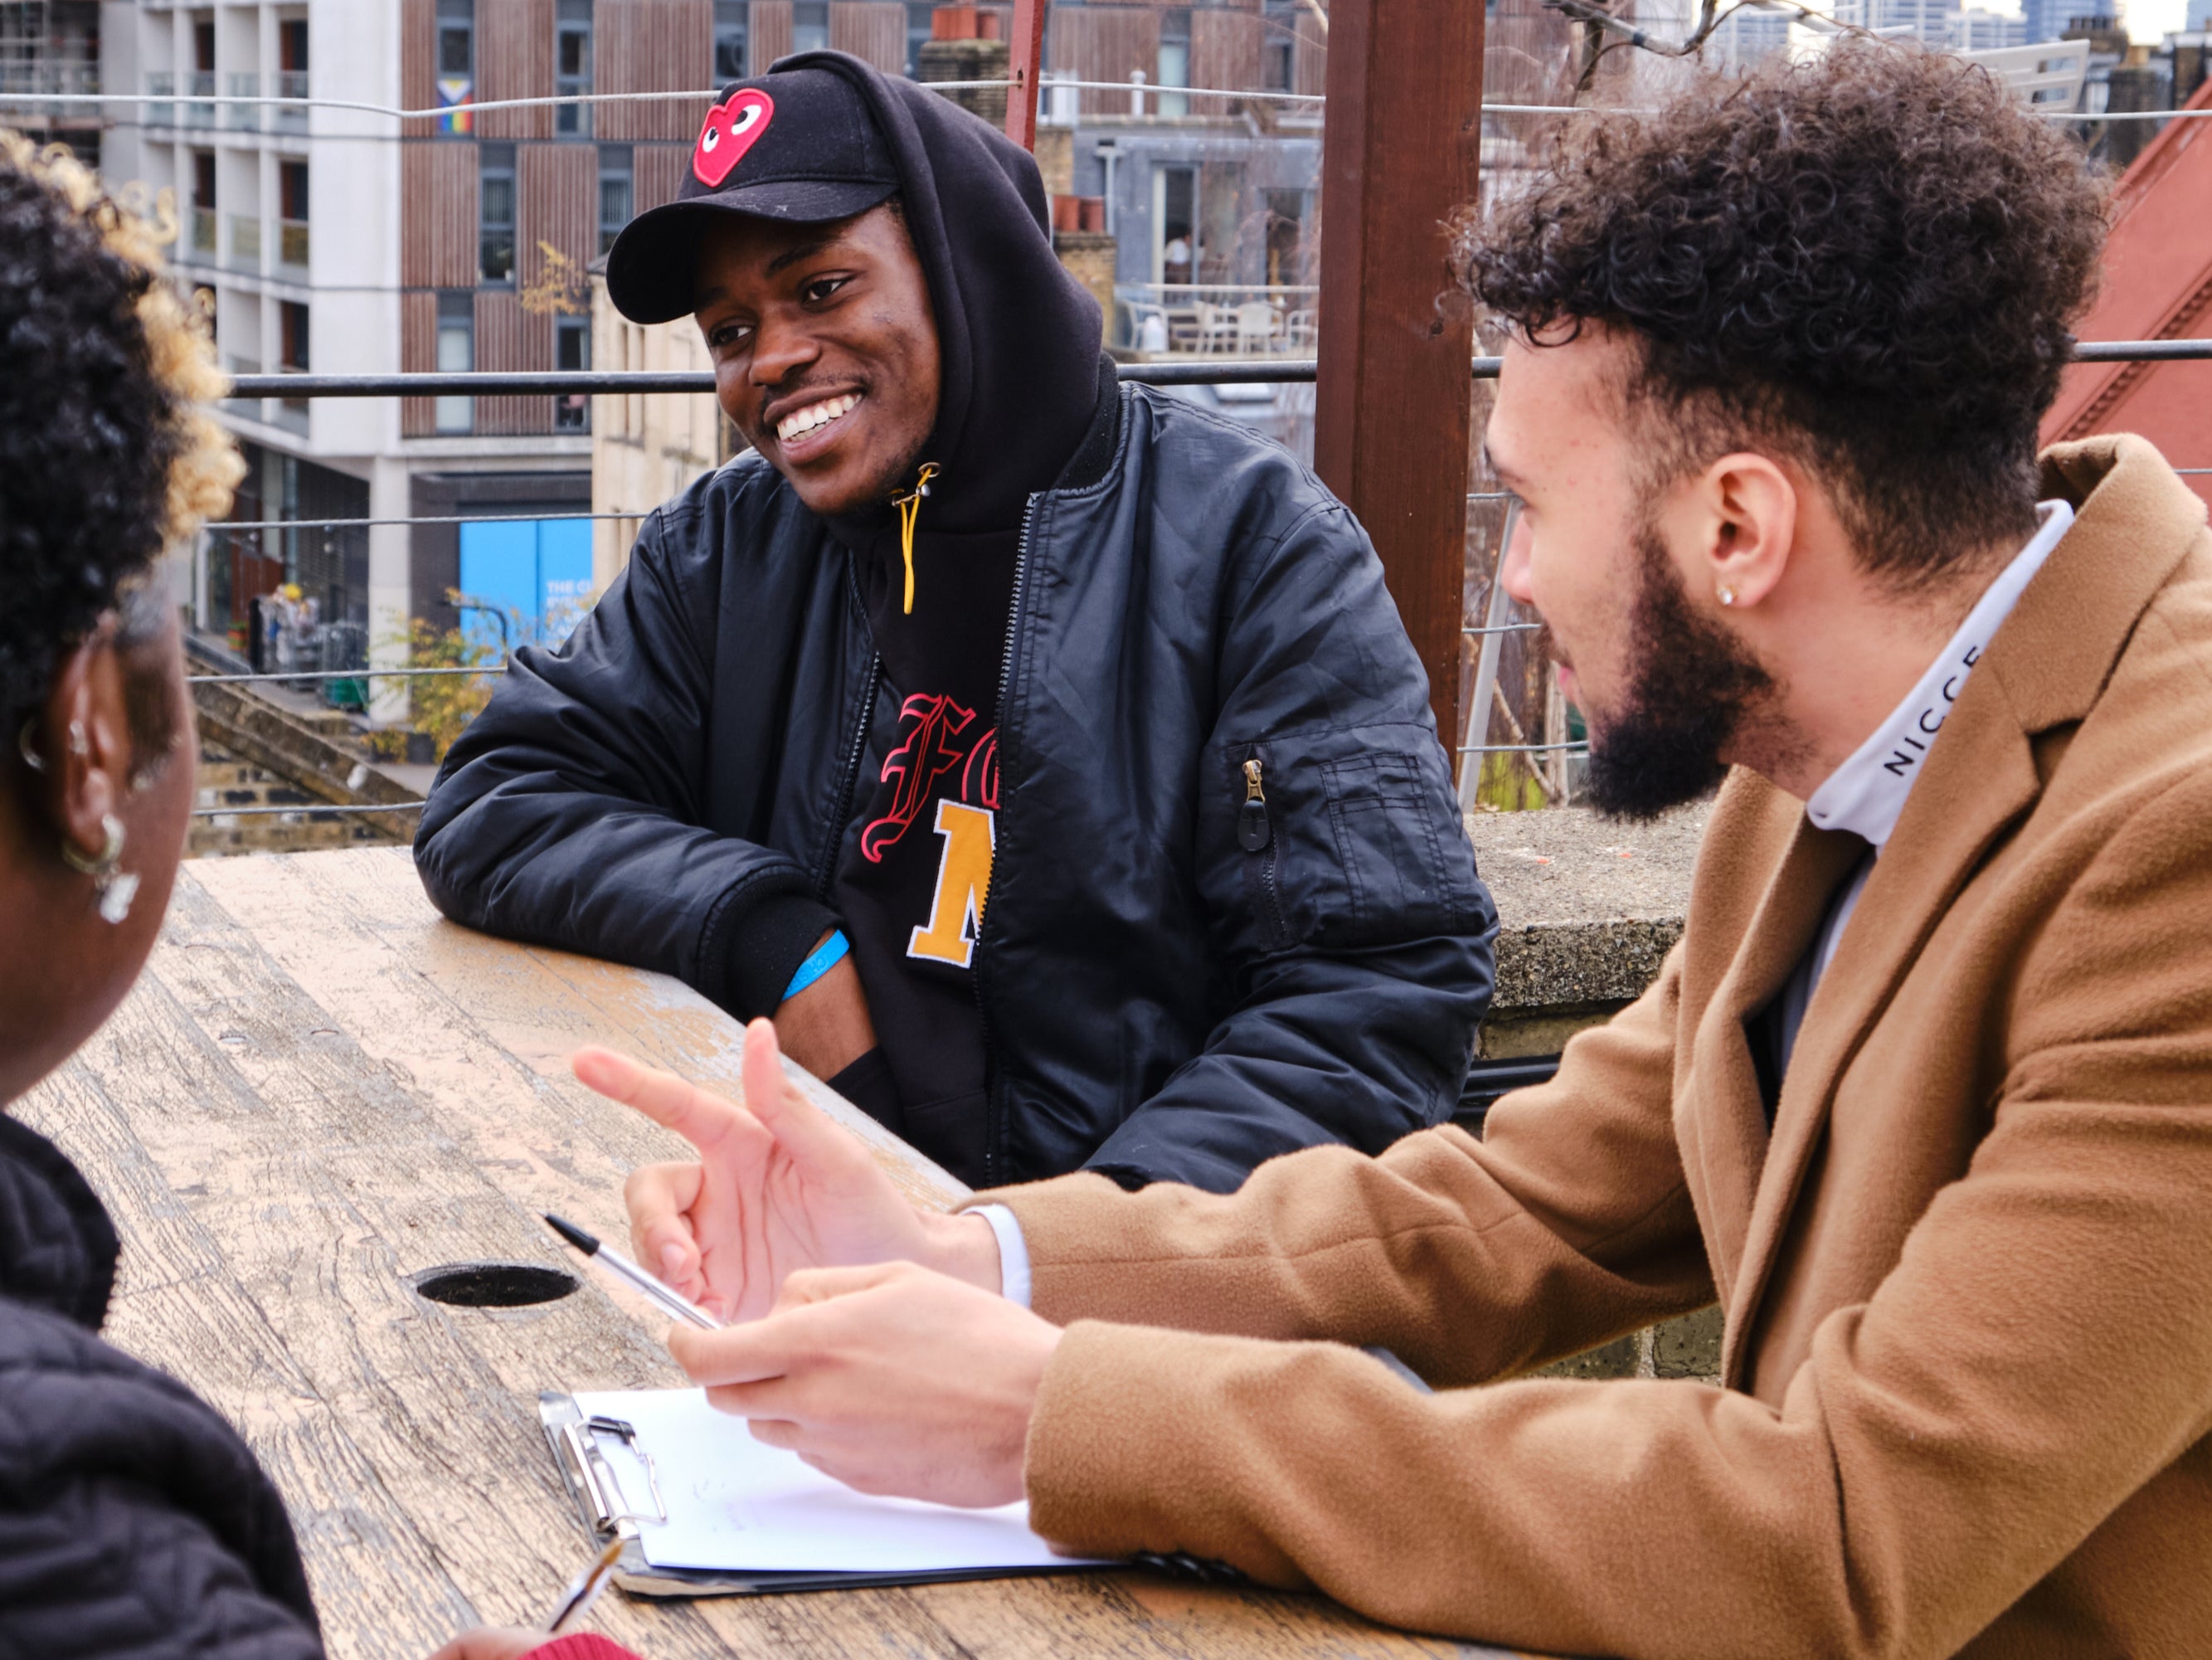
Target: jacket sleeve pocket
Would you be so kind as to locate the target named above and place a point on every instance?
(1344, 838)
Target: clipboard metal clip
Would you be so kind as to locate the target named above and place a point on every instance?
(596, 1477)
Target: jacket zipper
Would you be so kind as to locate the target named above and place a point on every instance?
(828, 872)
(994, 1089)
(1256, 834)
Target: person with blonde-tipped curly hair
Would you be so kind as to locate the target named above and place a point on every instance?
(133, 1520)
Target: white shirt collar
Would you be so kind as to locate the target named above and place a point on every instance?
(1866, 795)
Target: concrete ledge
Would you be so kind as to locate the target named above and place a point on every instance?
(1588, 909)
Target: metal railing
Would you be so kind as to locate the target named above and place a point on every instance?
(478, 383)
(484, 383)
(202, 110)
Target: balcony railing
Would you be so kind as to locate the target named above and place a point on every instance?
(1162, 320)
(291, 84)
(200, 84)
(247, 118)
(161, 84)
(244, 242)
(71, 76)
(292, 243)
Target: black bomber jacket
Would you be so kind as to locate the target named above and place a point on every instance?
(1233, 911)
(133, 1521)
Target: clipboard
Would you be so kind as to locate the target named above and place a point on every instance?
(609, 1509)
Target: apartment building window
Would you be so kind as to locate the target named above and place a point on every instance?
(571, 352)
(457, 63)
(495, 240)
(457, 355)
(292, 246)
(292, 359)
(203, 77)
(292, 320)
(572, 66)
(203, 203)
(617, 193)
(810, 26)
(292, 71)
(1174, 60)
(730, 19)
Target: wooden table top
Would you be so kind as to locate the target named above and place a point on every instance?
(320, 1088)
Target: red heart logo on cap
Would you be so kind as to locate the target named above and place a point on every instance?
(732, 129)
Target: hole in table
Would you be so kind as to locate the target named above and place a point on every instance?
(493, 1284)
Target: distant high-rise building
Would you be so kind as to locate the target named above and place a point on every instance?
(1747, 39)
(1982, 30)
(335, 240)
(1931, 21)
(2050, 20)
(52, 47)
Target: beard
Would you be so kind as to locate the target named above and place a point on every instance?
(1691, 687)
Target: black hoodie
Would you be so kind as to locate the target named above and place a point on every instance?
(1022, 385)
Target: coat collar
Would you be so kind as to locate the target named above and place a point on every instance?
(2046, 666)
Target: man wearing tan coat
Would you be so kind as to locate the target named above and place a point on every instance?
(1923, 1099)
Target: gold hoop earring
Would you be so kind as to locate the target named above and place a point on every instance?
(115, 886)
(1727, 594)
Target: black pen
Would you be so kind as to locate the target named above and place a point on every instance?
(682, 1307)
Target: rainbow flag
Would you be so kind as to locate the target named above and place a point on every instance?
(455, 93)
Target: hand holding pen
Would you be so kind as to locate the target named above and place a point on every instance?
(632, 1276)
(512, 1641)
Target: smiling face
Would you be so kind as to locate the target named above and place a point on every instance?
(825, 350)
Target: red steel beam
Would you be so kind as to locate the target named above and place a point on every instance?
(1394, 397)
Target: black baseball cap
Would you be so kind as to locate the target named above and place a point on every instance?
(799, 145)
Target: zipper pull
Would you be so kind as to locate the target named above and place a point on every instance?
(1253, 830)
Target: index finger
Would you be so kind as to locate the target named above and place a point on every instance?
(751, 1354)
(703, 1119)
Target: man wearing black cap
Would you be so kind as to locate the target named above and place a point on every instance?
(974, 622)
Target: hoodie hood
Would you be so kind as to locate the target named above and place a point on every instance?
(1018, 337)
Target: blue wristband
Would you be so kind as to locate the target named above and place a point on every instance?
(826, 957)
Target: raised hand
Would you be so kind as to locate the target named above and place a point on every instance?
(778, 1187)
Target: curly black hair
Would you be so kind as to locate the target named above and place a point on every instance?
(1871, 260)
(105, 451)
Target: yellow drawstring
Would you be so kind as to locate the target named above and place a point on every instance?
(910, 509)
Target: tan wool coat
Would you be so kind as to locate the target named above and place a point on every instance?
(1967, 1277)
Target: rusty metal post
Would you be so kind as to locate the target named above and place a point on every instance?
(1025, 62)
(1399, 154)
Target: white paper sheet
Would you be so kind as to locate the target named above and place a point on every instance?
(736, 1505)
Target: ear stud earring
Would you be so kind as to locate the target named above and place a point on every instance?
(1726, 594)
